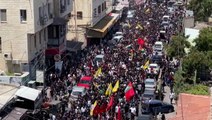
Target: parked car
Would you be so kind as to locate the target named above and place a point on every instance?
(118, 34)
(153, 68)
(150, 83)
(145, 117)
(116, 39)
(98, 59)
(85, 82)
(156, 106)
(158, 45)
(76, 92)
(149, 93)
(157, 59)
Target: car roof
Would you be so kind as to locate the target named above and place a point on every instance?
(149, 91)
(88, 78)
(149, 79)
(118, 37)
(153, 64)
(153, 101)
(119, 33)
(144, 117)
(77, 88)
(158, 42)
(100, 56)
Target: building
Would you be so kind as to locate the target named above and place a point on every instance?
(89, 21)
(57, 30)
(6, 98)
(24, 32)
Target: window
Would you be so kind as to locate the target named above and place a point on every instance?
(0, 45)
(40, 37)
(99, 9)
(23, 15)
(44, 34)
(94, 12)
(35, 41)
(68, 1)
(3, 15)
(103, 7)
(79, 15)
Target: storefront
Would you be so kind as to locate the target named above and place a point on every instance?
(96, 33)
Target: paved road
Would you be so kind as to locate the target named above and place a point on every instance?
(166, 99)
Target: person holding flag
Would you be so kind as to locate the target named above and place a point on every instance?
(116, 87)
(109, 90)
(129, 92)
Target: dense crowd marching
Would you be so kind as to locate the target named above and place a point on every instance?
(120, 63)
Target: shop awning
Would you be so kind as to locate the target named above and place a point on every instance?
(28, 93)
(102, 27)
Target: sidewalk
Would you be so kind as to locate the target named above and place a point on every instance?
(167, 100)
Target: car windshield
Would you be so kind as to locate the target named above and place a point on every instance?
(84, 82)
(149, 82)
(158, 46)
(99, 59)
(153, 67)
(148, 95)
(76, 93)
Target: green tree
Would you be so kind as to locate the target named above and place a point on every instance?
(204, 41)
(202, 9)
(195, 61)
(177, 46)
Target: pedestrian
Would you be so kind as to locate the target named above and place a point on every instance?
(171, 96)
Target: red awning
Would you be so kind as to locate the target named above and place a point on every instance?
(52, 51)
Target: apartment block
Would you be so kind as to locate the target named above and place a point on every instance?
(24, 33)
(86, 13)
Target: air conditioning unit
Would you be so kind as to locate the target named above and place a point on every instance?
(7, 56)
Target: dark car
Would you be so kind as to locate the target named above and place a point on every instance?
(148, 94)
(157, 59)
(145, 117)
(156, 106)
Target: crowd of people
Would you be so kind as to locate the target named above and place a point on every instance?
(120, 64)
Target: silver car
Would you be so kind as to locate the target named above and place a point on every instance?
(76, 92)
(150, 83)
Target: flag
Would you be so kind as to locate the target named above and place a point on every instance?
(140, 42)
(129, 92)
(92, 108)
(128, 24)
(119, 114)
(110, 104)
(147, 11)
(98, 72)
(116, 87)
(139, 26)
(146, 65)
(102, 108)
(109, 89)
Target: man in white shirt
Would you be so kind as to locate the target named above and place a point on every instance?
(133, 112)
(171, 96)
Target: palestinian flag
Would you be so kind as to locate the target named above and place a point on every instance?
(129, 92)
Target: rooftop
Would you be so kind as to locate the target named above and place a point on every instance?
(7, 92)
(192, 107)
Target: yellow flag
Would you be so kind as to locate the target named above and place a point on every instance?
(139, 26)
(146, 65)
(93, 107)
(98, 72)
(109, 90)
(128, 24)
(147, 11)
(115, 88)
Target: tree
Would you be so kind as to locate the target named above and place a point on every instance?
(202, 9)
(204, 41)
(195, 60)
(177, 46)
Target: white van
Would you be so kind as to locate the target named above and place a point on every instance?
(158, 46)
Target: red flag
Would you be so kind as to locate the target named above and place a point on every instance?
(140, 42)
(129, 92)
(110, 104)
(119, 114)
(102, 108)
